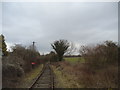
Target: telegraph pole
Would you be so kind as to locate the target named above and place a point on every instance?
(33, 45)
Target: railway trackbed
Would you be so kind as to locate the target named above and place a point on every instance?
(45, 79)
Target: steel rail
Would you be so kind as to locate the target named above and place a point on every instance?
(42, 72)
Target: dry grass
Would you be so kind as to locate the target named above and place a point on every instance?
(103, 78)
(82, 76)
(65, 78)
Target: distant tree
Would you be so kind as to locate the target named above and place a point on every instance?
(4, 46)
(53, 57)
(52, 52)
(60, 47)
(110, 44)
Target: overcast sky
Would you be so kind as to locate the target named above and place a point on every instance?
(80, 23)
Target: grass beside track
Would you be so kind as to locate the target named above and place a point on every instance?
(28, 78)
(64, 80)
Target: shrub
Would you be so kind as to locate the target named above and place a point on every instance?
(86, 77)
(11, 75)
(10, 70)
(17, 63)
(52, 57)
(104, 78)
(28, 55)
(101, 55)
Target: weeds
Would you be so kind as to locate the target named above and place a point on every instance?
(82, 76)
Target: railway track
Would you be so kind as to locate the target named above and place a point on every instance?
(45, 79)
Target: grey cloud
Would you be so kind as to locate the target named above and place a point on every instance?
(82, 23)
(0, 17)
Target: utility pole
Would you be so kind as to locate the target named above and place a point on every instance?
(33, 45)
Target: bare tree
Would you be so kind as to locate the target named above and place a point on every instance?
(72, 49)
